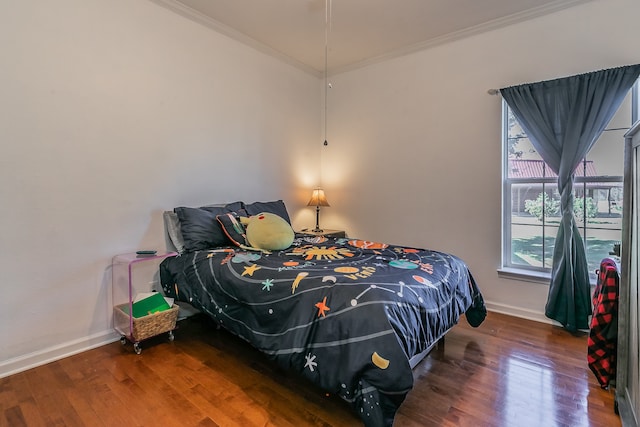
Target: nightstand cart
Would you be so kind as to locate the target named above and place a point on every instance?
(124, 290)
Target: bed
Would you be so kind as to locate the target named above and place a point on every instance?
(352, 316)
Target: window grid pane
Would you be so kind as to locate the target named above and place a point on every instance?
(532, 212)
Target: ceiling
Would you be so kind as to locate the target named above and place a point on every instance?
(358, 32)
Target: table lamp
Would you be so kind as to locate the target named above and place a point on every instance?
(318, 199)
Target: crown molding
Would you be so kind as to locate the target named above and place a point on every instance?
(467, 32)
(196, 16)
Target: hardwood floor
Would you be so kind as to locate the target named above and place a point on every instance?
(507, 372)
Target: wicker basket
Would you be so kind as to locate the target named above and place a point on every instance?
(146, 326)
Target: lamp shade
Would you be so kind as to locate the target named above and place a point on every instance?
(318, 198)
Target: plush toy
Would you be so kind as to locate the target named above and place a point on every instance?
(268, 232)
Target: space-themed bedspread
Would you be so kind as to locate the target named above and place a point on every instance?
(346, 314)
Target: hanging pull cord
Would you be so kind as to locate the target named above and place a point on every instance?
(327, 85)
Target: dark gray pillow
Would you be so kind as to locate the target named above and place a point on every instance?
(199, 227)
(275, 207)
(234, 207)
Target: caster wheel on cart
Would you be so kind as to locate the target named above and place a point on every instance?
(136, 347)
(123, 340)
(171, 336)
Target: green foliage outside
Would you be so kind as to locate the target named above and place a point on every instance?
(545, 207)
(579, 204)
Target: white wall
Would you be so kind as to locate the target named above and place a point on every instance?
(112, 111)
(415, 142)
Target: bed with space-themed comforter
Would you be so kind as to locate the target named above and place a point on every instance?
(351, 316)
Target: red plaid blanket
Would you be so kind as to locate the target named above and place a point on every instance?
(603, 336)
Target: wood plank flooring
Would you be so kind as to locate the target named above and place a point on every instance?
(507, 372)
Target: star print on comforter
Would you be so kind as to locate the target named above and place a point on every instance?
(346, 314)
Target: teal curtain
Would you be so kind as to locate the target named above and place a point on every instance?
(563, 119)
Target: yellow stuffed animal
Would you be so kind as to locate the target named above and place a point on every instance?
(267, 231)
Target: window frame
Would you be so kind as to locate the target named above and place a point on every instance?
(532, 273)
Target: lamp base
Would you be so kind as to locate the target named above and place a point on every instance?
(317, 229)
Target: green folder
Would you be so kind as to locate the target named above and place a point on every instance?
(151, 304)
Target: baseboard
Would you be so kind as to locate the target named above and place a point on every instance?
(28, 361)
(523, 313)
(42, 357)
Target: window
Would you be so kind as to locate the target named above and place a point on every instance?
(531, 202)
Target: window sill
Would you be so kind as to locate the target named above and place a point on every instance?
(524, 275)
(528, 276)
